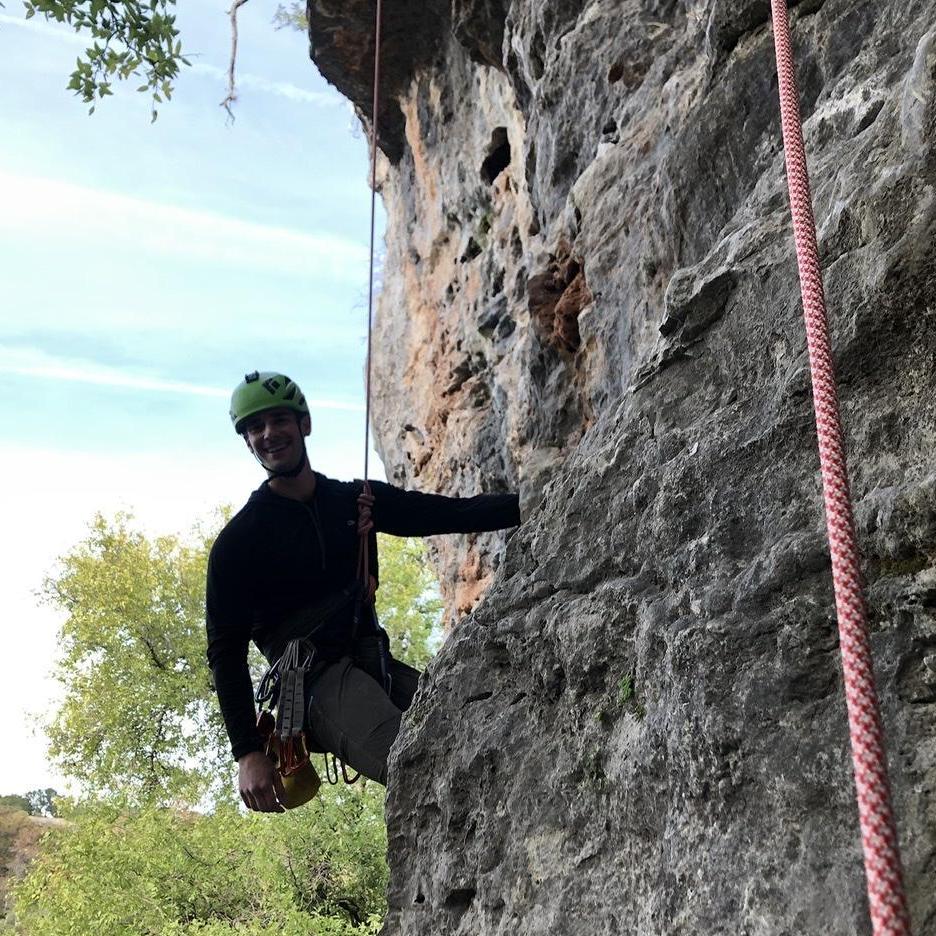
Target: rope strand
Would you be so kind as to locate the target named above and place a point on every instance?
(886, 898)
(373, 211)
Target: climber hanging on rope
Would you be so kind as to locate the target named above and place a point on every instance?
(288, 572)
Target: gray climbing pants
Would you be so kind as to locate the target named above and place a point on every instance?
(351, 716)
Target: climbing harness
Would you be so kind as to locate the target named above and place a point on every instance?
(886, 898)
(291, 647)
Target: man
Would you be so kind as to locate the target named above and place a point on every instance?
(291, 554)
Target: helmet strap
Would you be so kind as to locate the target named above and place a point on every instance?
(295, 471)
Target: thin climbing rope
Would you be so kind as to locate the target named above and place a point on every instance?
(366, 499)
(886, 898)
(373, 209)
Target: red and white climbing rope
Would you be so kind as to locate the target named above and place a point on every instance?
(888, 904)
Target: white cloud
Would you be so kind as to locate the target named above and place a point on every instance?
(282, 89)
(31, 362)
(45, 28)
(52, 209)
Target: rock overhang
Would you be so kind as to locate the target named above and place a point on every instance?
(415, 36)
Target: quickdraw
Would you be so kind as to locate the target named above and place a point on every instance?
(283, 685)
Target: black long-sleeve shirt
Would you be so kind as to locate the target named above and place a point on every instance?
(277, 556)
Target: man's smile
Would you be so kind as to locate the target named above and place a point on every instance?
(276, 448)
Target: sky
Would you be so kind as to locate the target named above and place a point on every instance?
(144, 269)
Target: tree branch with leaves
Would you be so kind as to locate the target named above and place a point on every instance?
(132, 38)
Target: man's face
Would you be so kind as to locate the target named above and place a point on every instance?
(275, 436)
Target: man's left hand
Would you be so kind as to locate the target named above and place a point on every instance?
(365, 523)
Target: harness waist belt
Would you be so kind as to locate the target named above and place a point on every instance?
(304, 623)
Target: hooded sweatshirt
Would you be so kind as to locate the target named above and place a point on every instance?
(278, 556)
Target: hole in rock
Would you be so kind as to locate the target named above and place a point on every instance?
(472, 251)
(460, 898)
(479, 697)
(498, 157)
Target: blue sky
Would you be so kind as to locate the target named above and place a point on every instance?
(143, 269)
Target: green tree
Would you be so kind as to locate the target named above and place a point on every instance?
(117, 871)
(131, 38)
(138, 717)
(16, 802)
(33, 803)
(42, 802)
(139, 39)
(139, 728)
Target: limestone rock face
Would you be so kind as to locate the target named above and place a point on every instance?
(590, 290)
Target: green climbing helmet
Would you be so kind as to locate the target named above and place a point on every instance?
(262, 390)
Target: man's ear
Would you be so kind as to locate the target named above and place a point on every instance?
(305, 424)
(247, 442)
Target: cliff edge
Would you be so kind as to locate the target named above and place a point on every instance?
(590, 288)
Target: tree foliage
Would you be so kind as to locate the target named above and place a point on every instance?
(114, 871)
(137, 39)
(16, 802)
(408, 603)
(33, 803)
(138, 717)
(139, 728)
(42, 802)
(291, 16)
(130, 38)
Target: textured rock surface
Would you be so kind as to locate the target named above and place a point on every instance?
(590, 279)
